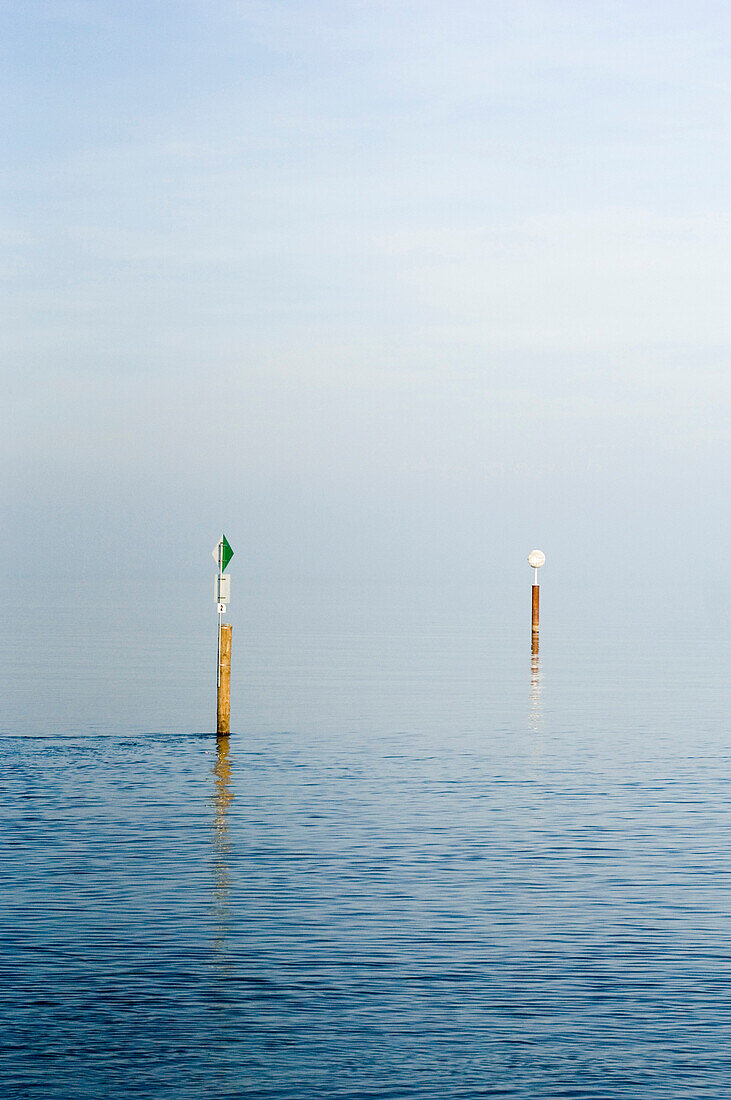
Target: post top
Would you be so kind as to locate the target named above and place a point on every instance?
(536, 559)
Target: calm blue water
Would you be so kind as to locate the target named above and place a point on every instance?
(423, 865)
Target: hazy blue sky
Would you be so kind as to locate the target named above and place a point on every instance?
(382, 289)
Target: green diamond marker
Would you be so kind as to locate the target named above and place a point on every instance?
(222, 553)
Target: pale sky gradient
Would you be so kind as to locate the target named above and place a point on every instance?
(389, 290)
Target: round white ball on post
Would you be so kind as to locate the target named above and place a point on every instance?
(536, 559)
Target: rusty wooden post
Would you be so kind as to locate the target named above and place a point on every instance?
(536, 559)
(223, 722)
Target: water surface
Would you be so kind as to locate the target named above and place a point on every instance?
(424, 864)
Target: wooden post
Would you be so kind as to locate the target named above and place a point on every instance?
(536, 559)
(224, 679)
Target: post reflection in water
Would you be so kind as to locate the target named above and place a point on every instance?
(222, 888)
(535, 690)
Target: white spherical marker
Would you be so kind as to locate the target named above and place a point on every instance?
(536, 559)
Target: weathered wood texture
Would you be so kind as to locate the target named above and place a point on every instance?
(223, 723)
(536, 590)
